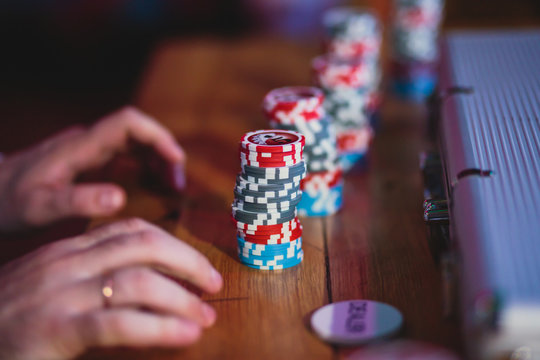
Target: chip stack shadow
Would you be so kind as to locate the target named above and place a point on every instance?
(266, 193)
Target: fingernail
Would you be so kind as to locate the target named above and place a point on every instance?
(110, 199)
(216, 278)
(179, 176)
(209, 314)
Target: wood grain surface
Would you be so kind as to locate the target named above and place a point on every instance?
(208, 92)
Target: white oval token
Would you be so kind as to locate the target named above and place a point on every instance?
(354, 322)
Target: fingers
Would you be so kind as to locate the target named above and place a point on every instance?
(154, 247)
(113, 132)
(139, 287)
(73, 200)
(128, 327)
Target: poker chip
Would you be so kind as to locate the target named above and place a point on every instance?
(352, 31)
(290, 105)
(334, 72)
(271, 238)
(264, 249)
(321, 200)
(272, 141)
(274, 264)
(415, 29)
(276, 227)
(356, 322)
(278, 208)
(300, 109)
(264, 197)
(413, 80)
(353, 159)
(284, 172)
(349, 74)
(278, 267)
(244, 183)
(267, 191)
(261, 180)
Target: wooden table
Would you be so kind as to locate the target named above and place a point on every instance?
(208, 92)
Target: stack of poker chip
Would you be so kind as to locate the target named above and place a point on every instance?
(266, 193)
(348, 84)
(352, 32)
(300, 109)
(414, 46)
(349, 74)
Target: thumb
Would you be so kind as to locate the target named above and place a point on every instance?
(75, 200)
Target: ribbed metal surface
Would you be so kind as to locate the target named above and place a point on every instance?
(497, 128)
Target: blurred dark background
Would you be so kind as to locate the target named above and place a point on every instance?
(67, 62)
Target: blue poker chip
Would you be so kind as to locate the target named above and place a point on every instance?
(417, 89)
(277, 260)
(277, 267)
(321, 203)
(350, 159)
(288, 253)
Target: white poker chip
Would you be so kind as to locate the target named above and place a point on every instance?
(403, 350)
(354, 322)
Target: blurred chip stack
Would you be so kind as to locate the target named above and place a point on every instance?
(300, 109)
(415, 47)
(266, 193)
(349, 74)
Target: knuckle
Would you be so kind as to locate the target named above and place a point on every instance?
(149, 239)
(131, 114)
(133, 224)
(143, 280)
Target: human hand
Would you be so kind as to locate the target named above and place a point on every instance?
(52, 303)
(37, 185)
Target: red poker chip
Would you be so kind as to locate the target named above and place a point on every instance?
(295, 227)
(279, 158)
(286, 104)
(269, 241)
(270, 154)
(269, 232)
(330, 178)
(333, 71)
(269, 164)
(354, 139)
(286, 233)
(368, 47)
(273, 141)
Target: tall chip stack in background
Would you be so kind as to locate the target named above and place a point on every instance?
(300, 109)
(266, 193)
(414, 47)
(349, 74)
